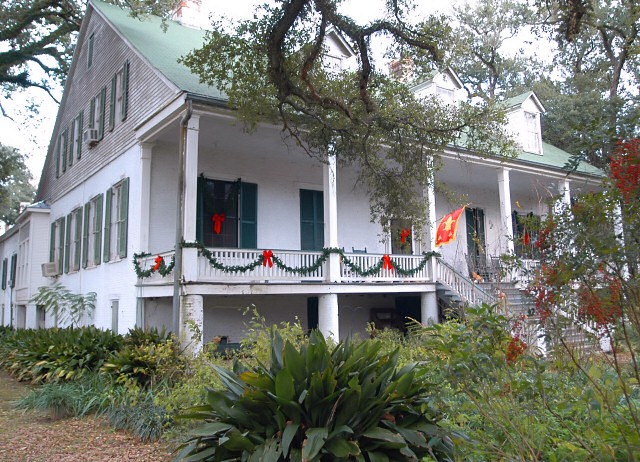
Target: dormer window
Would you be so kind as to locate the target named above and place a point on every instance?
(446, 94)
(532, 134)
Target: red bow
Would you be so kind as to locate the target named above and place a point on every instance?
(387, 263)
(158, 261)
(267, 254)
(217, 222)
(526, 239)
(404, 234)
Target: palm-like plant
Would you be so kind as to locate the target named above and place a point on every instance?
(349, 402)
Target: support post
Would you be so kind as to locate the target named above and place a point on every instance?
(433, 226)
(145, 195)
(328, 317)
(330, 197)
(190, 255)
(429, 308)
(504, 189)
(192, 321)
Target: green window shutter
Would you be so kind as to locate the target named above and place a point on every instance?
(97, 244)
(63, 147)
(4, 274)
(67, 243)
(56, 151)
(125, 91)
(12, 278)
(124, 218)
(107, 226)
(92, 113)
(200, 208)
(60, 228)
(103, 100)
(90, 51)
(112, 103)
(79, 147)
(77, 239)
(311, 220)
(52, 243)
(85, 235)
(71, 141)
(248, 215)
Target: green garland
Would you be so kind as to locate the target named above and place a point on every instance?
(163, 269)
(303, 270)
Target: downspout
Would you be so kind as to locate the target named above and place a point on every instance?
(177, 269)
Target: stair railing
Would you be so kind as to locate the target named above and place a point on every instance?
(469, 292)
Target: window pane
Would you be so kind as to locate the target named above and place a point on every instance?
(220, 198)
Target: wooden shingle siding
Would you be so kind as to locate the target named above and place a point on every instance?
(145, 93)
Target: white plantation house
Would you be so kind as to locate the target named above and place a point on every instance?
(134, 127)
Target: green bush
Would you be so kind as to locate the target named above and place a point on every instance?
(46, 355)
(315, 403)
(147, 358)
(142, 417)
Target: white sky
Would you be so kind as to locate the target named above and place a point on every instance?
(31, 132)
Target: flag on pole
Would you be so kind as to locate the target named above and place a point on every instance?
(448, 227)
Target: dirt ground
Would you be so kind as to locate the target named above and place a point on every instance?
(35, 437)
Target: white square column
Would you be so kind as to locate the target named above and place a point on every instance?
(191, 321)
(328, 317)
(145, 195)
(504, 189)
(190, 199)
(330, 197)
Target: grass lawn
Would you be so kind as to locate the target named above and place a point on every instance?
(35, 437)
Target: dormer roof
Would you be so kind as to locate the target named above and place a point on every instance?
(516, 102)
(427, 80)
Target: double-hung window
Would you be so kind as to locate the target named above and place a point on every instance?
(116, 218)
(119, 95)
(56, 247)
(96, 112)
(227, 213)
(73, 241)
(92, 232)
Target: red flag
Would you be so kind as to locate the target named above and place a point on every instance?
(448, 227)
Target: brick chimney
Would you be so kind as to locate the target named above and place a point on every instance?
(402, 69)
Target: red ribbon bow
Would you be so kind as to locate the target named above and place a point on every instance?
(158, 260)
(387, 263)
(217, 222)
(404, 234)
(526, 239)
(267, 254)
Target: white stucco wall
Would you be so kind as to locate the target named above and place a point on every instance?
(113, 280)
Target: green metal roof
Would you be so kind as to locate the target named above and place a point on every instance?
(161, 49)
(558, 159)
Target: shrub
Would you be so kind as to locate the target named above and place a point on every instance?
(142, 417)
(46, 355)
(315, 403)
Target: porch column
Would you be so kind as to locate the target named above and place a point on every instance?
(190, 191)
(145, 195)
(504, 188)
(433, 227)
(328, 318)
(565, 192)
(191, 317)
(331, 218)
(429, 308)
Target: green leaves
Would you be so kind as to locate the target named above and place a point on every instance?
(317, 403)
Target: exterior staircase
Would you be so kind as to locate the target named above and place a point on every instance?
(455, 290)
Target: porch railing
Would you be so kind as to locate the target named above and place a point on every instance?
(465, 288)
(293, 259)
(405, 262)
(240, 257)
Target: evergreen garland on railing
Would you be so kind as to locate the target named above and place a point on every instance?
(274, 260)
(162, 268)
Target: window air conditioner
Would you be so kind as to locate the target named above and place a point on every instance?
(50, 269)
(90, 135)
